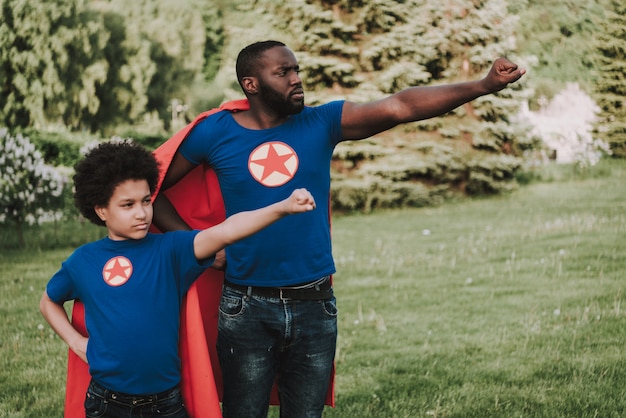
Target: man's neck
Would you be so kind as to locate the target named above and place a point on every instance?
(257, 120)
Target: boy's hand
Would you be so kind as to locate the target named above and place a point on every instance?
(300, 200)
(220, 261)
(79, 347)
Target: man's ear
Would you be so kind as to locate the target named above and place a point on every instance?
(250, 85)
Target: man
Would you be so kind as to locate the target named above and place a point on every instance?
(278, 318)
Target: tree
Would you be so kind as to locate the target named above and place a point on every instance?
(610, 86)
(364, 50)
(50, 62)
(30, 191)
(100, 64)
(167, 38)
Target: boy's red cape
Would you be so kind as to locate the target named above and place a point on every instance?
(198, 200)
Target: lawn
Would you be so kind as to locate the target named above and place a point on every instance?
(502, 307)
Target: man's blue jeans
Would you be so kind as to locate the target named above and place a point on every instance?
(263, 339)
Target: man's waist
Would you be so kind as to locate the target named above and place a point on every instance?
(320, 289)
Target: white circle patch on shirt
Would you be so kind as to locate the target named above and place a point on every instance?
(273, 163)
(117, 271)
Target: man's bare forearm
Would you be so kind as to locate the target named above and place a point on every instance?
(166, 218)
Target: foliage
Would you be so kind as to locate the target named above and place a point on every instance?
(93, 65)
(425, 174)
(610, 86)
(492, 174)
(559, 35)
(51, 62)
(57, 148)
(30, 191)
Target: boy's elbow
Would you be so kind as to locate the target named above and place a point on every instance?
(44, 303)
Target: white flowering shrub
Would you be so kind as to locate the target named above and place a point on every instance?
(30, 191)
(565, 125)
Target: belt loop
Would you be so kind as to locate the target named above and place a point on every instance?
(106, 394)
(249, 292)
(320, 282)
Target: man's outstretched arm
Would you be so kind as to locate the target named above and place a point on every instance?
(360, 121)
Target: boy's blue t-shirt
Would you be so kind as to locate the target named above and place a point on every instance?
(132, 292)
(256, 168)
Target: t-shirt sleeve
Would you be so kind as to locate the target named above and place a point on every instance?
(192, 268)
(193, 147)
(60, 287)
(333, 111)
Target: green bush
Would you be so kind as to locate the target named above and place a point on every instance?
(57, 148)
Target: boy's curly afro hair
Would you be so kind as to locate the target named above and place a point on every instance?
(106, 166)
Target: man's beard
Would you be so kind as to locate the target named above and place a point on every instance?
(278, 103)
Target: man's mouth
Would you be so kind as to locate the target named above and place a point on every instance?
(298, 94)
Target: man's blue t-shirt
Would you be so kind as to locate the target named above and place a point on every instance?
(256, 168)
(132, 292)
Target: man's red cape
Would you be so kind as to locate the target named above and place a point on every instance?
(198, 200)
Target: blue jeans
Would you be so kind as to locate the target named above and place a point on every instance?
(102, 402)
(262, 340)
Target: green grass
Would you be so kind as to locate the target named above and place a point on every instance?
(500, 307)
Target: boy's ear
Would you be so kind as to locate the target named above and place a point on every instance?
(100, 212)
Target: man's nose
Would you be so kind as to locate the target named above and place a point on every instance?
(295, 78)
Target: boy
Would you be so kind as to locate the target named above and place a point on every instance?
(132, 282)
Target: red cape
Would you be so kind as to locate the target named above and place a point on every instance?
(198, 200)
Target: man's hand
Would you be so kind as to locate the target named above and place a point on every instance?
(502, 73)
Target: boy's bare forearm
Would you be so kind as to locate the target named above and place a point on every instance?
(244, 224)
(56, 316)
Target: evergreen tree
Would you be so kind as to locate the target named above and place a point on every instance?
(50, 62)
(124, 93)
(610, 83)
(163, 44)
(365, 50)
(214, 37)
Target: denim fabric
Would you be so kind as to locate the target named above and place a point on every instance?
(101, 402)
(263, 339)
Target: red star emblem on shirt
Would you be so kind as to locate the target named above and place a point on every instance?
(117, 271)
(273, 163)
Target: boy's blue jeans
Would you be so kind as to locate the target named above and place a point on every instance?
(102, 402)
(261, 339)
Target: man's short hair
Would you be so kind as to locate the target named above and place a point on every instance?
(249, 58)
